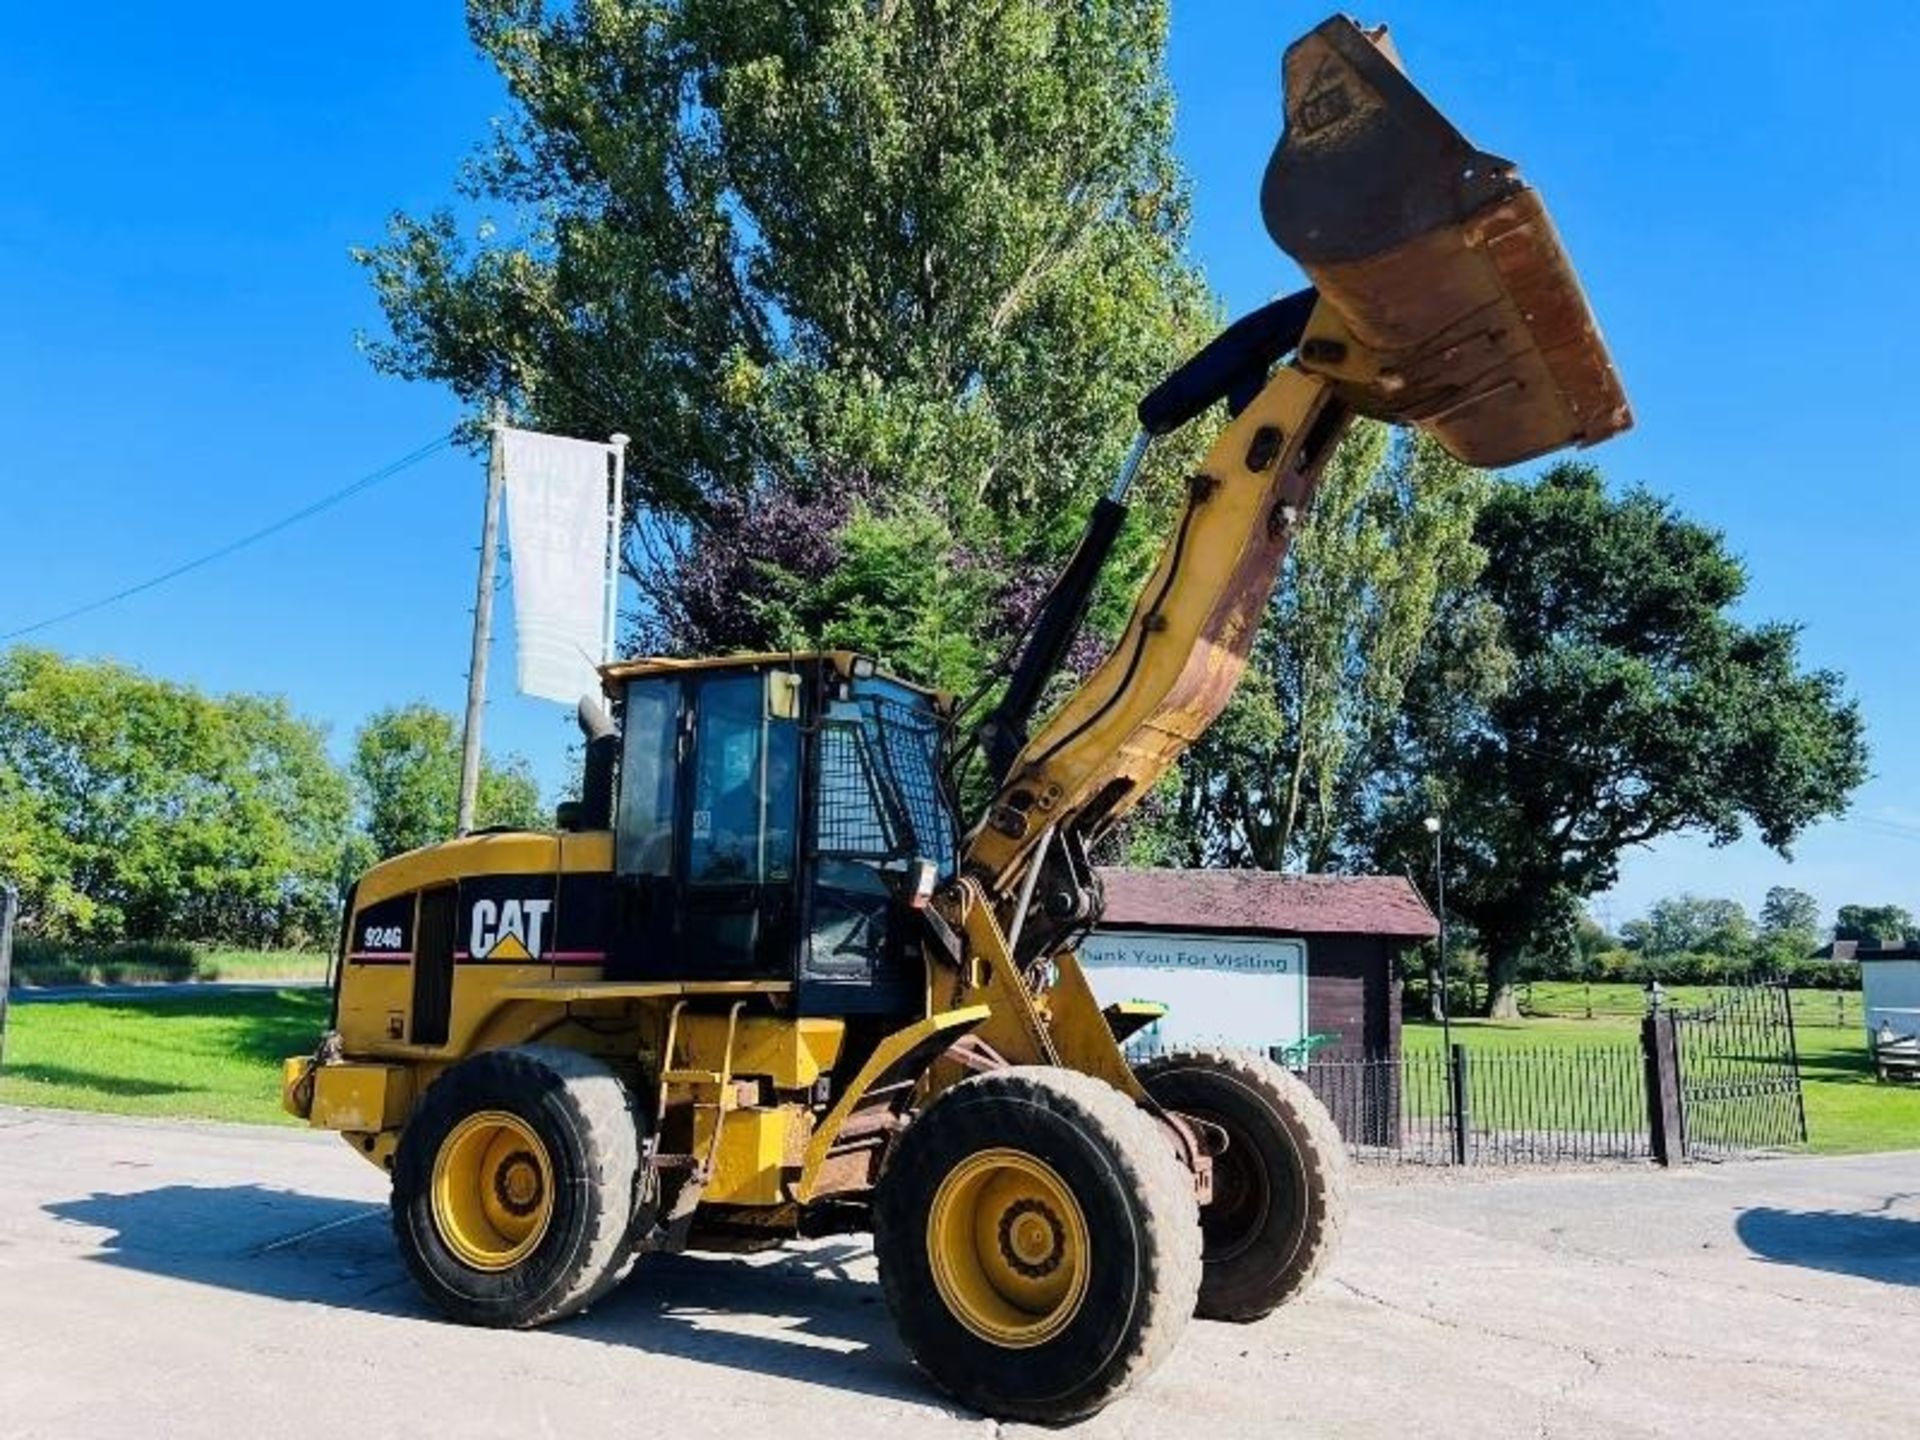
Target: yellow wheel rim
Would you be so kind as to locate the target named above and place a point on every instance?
(1009, 1248)
(492, 1190)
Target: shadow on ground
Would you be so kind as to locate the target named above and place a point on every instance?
(98, 1081)
(800, 1315)
(1871, 1244)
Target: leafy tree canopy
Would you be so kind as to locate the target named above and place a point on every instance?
(1875, 924)
(1691, 925)
(137, 808)
(897, 272)
(406, 770)
(1632, 705)
(1790, 915)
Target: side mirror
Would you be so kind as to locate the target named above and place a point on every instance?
(922, 874)
(783, 695)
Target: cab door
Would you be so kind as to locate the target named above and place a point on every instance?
(741, 850)
(877, 804)
(643, 939)
(706, 843)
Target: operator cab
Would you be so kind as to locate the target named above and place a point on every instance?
(772, 816)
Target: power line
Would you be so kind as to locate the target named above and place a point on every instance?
(325, 502)
(1884, 829)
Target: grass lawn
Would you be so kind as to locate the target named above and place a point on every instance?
(1848, 1111)
(211, 1057)
(1527, 1034)
(1577, 1000)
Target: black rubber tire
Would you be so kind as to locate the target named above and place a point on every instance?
(584, 1115)
(1274, 1223)
(1144, 1250)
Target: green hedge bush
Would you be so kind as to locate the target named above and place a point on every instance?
(59, 962)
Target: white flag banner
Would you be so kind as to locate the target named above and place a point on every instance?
(558, 530)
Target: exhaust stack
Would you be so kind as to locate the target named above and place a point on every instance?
(594, 810)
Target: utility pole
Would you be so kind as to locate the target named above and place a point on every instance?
(617, 506)
(482, 627)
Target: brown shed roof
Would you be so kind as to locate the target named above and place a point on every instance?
(1262, 900)
(1857, 950)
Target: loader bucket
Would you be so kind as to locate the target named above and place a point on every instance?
(1460, 310)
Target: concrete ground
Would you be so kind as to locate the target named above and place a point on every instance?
(198, 1280)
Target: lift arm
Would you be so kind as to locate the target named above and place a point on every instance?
(1186, 644)
(1444, 300)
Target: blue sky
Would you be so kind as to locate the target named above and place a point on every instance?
(177, 359)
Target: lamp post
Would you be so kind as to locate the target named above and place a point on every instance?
(1459, 1103)
(1432, 822)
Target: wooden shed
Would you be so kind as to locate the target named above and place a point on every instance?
(1256, 959)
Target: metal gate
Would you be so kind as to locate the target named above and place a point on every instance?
(1739, 1073)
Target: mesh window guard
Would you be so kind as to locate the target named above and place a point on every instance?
(880, 795)
(854, 821)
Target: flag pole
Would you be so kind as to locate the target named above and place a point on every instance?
(482, 624)
(611, 640)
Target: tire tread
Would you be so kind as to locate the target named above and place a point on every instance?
(1324, 1152)
(604, 1121)
(1145, 1159)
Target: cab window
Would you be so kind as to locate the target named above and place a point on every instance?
(745, 796)
(649, 750)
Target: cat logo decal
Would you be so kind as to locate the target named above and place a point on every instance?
(508, 929)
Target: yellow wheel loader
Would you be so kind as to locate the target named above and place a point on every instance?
(764, 980)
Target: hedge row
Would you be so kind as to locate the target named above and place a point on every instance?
(138, 962)
(57, 962)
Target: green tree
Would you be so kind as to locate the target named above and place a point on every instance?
(132, 807)
(925, 253)
(1791, 916)
(1391, 533)
(1590, 942)
(1875, 924)
(406, 770)
(1691, 925)
(1633, 705)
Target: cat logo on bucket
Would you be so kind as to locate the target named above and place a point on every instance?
(508, 929)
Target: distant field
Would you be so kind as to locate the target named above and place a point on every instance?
(159, 964)
(1577, 1000)
(209, 1057)
(1848, 1110)
(263, 965)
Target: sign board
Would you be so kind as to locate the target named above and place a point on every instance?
(1245, 992)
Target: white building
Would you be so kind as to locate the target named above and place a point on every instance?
(1890, 995)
